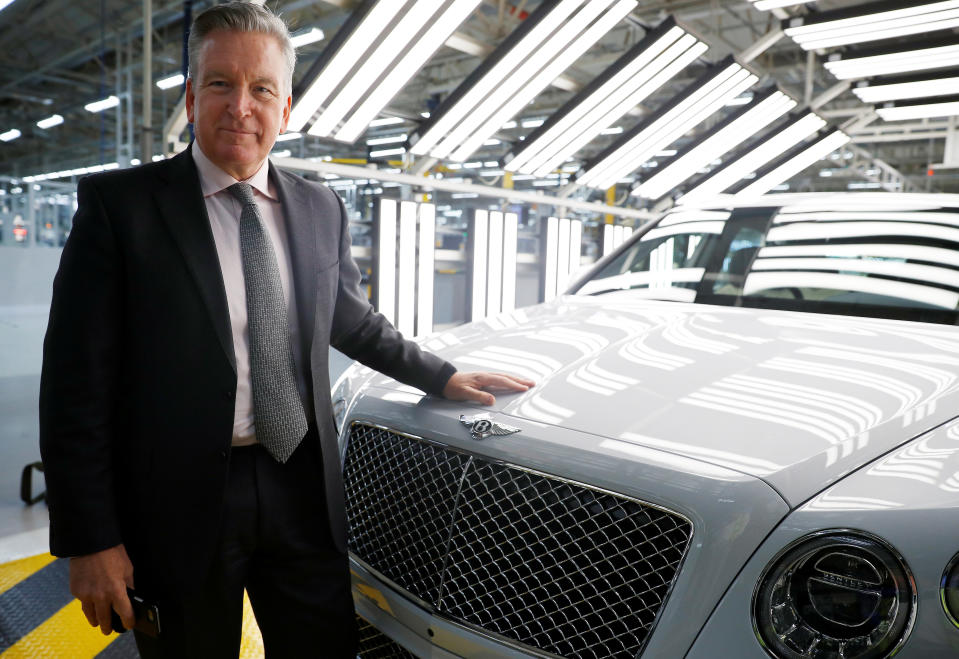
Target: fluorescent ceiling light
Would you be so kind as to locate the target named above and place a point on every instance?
(383, 153)
(889, 63)
(388, 139)
(170, 81)
(372, 57)
(740, 100)
(617, 90)
(689, 108)
(732, 132)
(310, 36)
(100, 106)
(4, 4)
(286, 137)
(947, 107)
(871, 22)
(386, 121)
(284, 153)
(779, 140)
(903, 88)
(50, 122)
(79, 171)
(766, 5)
(533, 56)
(796, 163)
(10, 135)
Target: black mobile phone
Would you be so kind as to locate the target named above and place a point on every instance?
(146, 614)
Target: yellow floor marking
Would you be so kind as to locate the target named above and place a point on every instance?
(65, 634)
(16, 571)
(251, 646)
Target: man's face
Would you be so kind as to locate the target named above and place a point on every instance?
(237, 100)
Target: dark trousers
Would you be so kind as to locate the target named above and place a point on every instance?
(275, 543)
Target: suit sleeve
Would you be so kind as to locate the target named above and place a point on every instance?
(362, 334)
(79, 384)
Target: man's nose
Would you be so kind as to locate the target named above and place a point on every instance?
(241, 102)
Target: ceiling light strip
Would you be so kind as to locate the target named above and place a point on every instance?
(440, 29)
(871, 22)
(890, 63)
(617, 90)
(351, 42)
(373, 66)
(905, 110)
(691, 113)
(738, 128)
(796, 163)
(544, 45)
(766, 5)
(686, 110)
(878, 90)
(779, 140)
(553, 57)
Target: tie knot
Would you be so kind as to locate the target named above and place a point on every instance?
(243, 192)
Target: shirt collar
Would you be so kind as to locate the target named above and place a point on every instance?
(214, 180)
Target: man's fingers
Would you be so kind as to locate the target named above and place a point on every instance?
(124, 608)
(89, 611)
(103, 609)
(505, 382)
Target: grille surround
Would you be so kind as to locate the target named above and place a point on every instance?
(525, 588)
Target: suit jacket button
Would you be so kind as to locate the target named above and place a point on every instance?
(228, 394)
(223, 454)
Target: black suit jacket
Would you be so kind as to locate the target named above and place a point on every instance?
(138, 381)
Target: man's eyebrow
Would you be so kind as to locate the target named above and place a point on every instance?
(267, 80)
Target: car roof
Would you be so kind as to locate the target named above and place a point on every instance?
(889, 201)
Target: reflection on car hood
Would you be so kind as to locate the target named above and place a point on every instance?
(796, 399)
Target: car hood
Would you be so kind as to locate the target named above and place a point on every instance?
(795, 399)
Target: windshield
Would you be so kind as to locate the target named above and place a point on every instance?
(894, 264)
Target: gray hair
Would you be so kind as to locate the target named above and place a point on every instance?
(239, 16)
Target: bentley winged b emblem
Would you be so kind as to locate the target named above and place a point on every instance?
(482, 426)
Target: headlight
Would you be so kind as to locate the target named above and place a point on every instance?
(950, 590)
(835, 594)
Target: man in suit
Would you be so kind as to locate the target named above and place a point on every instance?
(186, 423)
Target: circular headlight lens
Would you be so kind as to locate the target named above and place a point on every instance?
(835, 594)
(949, 590)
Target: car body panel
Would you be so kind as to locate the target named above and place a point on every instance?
(728, 523)
(796, 399)
(760, 426)
(910, 498)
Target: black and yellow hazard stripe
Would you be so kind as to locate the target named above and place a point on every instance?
(39, 619)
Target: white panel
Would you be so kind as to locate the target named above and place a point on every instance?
(575, 249)
(407, 276)
(619, 233)
(562, 257)
(551, 256)
(494, 280)
(480, 234)
(386, 267)
(510, 222)
(424, 287)
(609, 238)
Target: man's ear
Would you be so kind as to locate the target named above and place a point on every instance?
(286, 113)
(189, 100)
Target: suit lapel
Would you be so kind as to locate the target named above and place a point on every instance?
(301, 233)
(181, 204)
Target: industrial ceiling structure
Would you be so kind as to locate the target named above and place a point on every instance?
(636, 103)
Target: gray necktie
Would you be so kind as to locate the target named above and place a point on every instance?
(277, 409)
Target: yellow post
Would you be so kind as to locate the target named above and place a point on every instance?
(611, 201)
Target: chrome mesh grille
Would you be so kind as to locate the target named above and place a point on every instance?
(547, 563)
